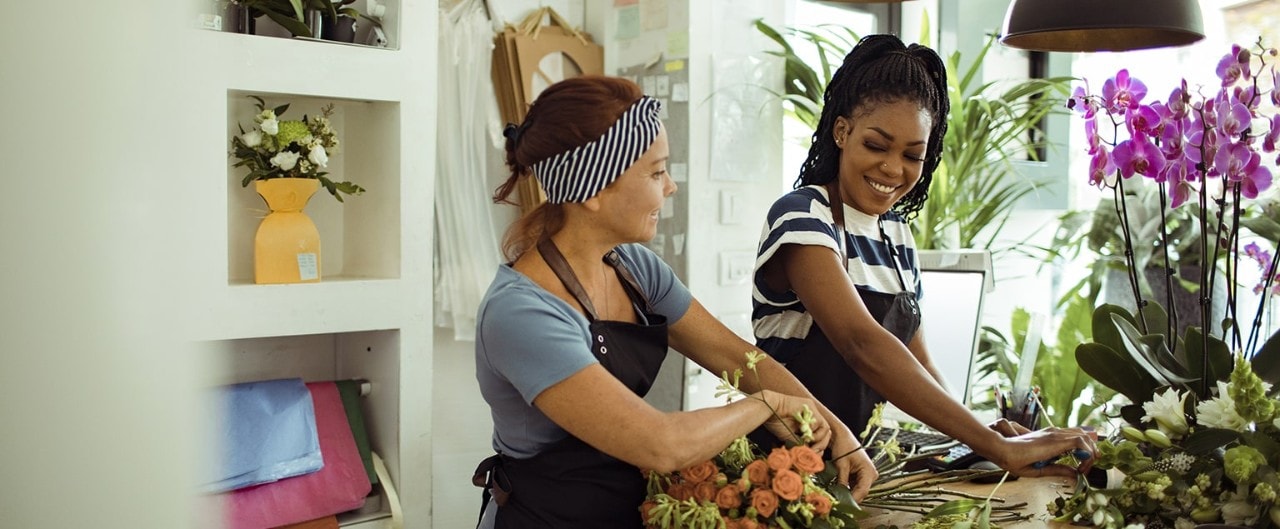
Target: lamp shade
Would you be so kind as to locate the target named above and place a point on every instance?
(1101, 25)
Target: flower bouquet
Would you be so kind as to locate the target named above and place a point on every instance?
(1202, 439)
(793, 487)
(277, 148)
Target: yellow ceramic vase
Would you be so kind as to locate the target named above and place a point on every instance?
(286, 248)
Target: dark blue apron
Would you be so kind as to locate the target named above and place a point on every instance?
(570, 484)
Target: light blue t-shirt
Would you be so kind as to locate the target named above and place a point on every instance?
(528, 340)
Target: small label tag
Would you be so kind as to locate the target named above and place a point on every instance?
(308, 267)
(209, 21)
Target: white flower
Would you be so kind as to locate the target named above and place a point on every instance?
(318, 156)
(1239, 511)
(1220, 412)
(285, 160)
(270, 126)
(1166, 409)
(252, 138)
(1183, 523)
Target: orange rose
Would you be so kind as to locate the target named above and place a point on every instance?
(699, 472)
(646, 510)
(680, 491)
(730, 523)
(705, 491)
(788, 485)
(806, 460)
(758, 472)
(729, 497)
(821, 502)
(765, 502)
(780, 459)
(748, 523)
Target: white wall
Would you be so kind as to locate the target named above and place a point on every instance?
(95, 386)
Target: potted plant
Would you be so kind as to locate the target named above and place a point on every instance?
(976, 185)
(1201, 441)
(287, 161)
(293, 14)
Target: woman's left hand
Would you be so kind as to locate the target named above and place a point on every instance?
(854, 468)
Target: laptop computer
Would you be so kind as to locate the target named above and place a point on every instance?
(955, 283)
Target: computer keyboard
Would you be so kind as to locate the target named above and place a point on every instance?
(913, 439)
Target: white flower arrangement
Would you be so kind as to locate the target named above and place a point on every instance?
(277, 148)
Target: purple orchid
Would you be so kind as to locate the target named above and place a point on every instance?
(1122, 92)
(1234, 66)
(1102, 170)
(1138, 155)
(1142, 120)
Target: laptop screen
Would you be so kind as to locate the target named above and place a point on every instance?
(951, 312)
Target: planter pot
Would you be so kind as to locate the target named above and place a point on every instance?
(342, 30)
(286, 248)
(1117, 290)
(239, 19)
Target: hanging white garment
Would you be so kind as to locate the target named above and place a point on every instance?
(466, 249)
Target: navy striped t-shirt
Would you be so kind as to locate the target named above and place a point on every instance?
(803, 217)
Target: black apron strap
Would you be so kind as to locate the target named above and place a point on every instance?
(556, 261)
(629, 281)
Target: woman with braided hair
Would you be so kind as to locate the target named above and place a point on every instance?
(836, 282)
(573, 329)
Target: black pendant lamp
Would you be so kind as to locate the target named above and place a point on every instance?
(1101, 25)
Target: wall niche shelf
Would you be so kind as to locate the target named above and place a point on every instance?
(359, 238)
(373, 356)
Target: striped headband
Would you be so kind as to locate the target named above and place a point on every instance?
(579, 173)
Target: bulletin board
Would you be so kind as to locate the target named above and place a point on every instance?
(668, 81)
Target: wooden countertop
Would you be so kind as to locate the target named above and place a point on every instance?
(1035, 492)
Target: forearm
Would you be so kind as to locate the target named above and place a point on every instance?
(691, 437)
(774, 376)
(884, 364)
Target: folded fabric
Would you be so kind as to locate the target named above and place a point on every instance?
(350, 391)
(328, 522)
(338, 487)
(266, 432)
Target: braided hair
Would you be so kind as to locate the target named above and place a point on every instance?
(881, 69)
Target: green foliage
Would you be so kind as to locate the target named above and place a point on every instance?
(291, 14)
(976, 185)
(1061, 379)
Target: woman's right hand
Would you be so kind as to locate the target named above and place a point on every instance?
(783, 423)
(1034, 454)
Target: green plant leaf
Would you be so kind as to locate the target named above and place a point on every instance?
(1150, 353)
(1206, 440)
(295, 25)
(1265, 227)
(1105, 331)
(1266, 361)
(953, 507)
(1116, 371)
(1220, 362)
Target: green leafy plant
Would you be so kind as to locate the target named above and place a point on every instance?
(291, 14)
(977, 185)
(276, 148)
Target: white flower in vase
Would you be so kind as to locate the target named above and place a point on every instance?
(270, 125)
(285, 160)
(318, 156)
(252, 138)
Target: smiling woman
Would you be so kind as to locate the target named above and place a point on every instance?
(837, 277)
(573, 330)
